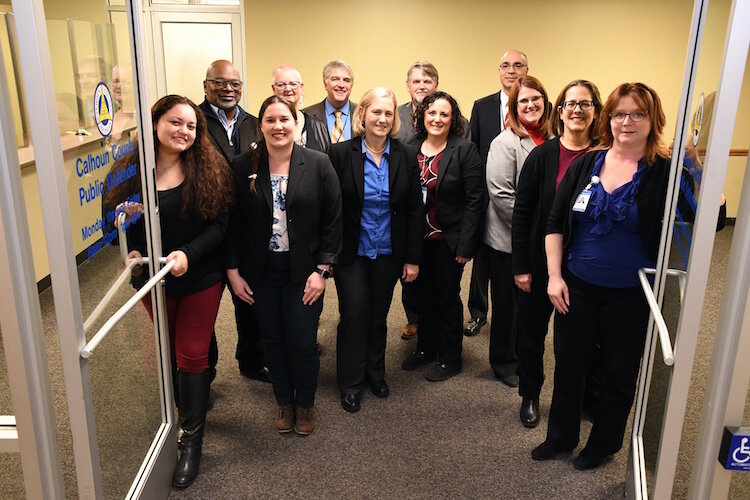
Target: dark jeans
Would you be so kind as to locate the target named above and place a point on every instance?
(480, 277)
(440, 307)
(365, 291)
(503, 358)
(534, 312)
(289, 330)
(616, 320)
(249, 352)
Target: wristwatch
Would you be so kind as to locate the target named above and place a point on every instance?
(325, 273)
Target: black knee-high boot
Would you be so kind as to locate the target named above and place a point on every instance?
(193, 388)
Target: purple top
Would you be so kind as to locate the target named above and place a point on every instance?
(606, 248)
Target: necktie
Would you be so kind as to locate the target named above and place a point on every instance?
(338, 128)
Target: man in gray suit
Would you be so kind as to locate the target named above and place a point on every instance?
(336, 109)
(421, 79)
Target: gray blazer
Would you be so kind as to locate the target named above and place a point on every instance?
(407, 134)
(319, 111)
(505, 160)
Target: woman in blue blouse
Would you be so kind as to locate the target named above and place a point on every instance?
(382, 210)
(604, 225)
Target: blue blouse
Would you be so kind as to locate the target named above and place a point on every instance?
(606, 248)
(375, 221)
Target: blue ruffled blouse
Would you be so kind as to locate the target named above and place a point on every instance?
(606, 248)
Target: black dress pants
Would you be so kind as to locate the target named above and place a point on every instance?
(410, 301)
(289, 329)
(503, 357)
(249, 352)
(534, 312)
(440, 307)
(365, 290)
(480, 277)
(616, 319)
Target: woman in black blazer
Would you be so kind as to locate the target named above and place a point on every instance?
(285, 233)
(574, 126)
(382, 210)
(454, 196)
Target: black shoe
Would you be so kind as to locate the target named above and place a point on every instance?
(509, 380)
(474, 326)
(380, 388)
(442, 371)
(589, 459)
(547, 451)
(261, 375)
(350, 401)
(194, 389)
(529, 412)
(417, 359)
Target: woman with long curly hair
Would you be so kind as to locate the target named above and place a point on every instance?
(194, 187)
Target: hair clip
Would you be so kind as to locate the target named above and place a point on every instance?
(252, 177)
(253, 145)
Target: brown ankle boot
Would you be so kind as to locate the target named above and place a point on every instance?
(305, 422)
(285, 419)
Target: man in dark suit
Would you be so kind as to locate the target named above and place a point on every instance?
(421, 79)
(487, 121)
(232, 131)
(336, 109)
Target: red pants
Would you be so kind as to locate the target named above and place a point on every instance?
(191, 322)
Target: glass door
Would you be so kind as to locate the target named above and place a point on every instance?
(699, 167)
(84, 97)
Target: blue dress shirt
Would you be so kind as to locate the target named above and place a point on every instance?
(345, 120)
(375, 222)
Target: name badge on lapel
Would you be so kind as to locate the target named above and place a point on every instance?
(582, 201)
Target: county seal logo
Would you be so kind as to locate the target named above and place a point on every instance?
(103, 109)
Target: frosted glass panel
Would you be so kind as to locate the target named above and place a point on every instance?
(189, 48)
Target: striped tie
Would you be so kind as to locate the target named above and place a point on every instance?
(338, 128)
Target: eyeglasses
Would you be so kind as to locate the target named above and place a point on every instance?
(221, 83)
(571, 105)
(619, 116)
(283, 85)
(530, 100)
(504, 67)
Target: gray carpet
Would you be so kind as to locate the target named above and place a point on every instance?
(458, 438)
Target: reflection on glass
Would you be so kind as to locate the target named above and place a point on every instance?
(196, 2)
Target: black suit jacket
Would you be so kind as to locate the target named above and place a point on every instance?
(318, 111)
(485, 123)
(313, 202)
(534, 195)
(246, 134)
(461, 196)
(407, 226)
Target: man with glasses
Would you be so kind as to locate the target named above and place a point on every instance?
(232, 131)
(336, 109)
(488, 117)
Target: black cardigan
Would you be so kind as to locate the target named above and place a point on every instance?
(313, 216)
(534, 195)
(649, 200)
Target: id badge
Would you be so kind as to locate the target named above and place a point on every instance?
(582, 201)
(424, 195)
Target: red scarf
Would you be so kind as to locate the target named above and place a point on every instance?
(534, 130)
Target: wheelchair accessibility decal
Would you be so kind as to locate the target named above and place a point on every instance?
(735, 448)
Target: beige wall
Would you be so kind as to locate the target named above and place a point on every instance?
(606, 42)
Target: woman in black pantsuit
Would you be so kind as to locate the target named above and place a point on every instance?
(382, 240)
(454, 194)
(574, 126)
(285, 233)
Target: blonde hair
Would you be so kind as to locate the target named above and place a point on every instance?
(358, 121)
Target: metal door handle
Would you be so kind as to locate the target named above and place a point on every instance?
(664, 340)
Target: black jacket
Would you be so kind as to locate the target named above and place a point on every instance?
(649, 200)
(245, 131)
(313, 204)
(534, 195)
(486, 123)
(317, 134)
(407, 214)
(461, 196)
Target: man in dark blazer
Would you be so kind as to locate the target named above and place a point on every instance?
(338, 80)
(487, 121)
(232, 130)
